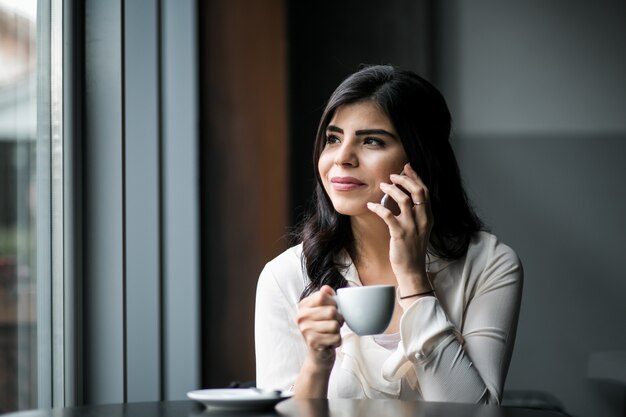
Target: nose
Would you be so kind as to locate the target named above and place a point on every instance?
(346, 155)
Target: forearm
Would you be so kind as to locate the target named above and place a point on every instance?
(312, 381)
(432, 344)
(448, 374)
(452, 367)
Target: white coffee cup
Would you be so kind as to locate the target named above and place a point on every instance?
(367, 310)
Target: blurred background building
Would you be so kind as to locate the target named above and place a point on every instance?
(187, 130)
(18, 128)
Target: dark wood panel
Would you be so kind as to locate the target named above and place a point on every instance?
(244, 175)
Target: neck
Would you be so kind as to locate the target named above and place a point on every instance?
(371, 237)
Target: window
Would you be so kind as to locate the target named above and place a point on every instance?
(18, 204)
(86, 194)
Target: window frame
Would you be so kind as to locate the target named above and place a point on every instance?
(59, 353)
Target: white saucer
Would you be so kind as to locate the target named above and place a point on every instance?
(238, 398)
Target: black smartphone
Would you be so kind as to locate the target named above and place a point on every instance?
(390, 203)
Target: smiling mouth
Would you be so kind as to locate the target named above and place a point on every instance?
(345, 183)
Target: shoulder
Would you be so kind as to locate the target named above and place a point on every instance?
(285, 273)
(486, 245)
(288, 262)
(494, 259)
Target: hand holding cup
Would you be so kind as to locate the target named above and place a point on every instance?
(319, 322)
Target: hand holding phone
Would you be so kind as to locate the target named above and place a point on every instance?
(391, 204)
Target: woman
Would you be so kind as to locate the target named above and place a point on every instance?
(459, 288)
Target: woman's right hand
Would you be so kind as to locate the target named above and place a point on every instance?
(319, 322)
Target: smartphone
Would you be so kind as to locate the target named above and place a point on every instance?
(390, 203)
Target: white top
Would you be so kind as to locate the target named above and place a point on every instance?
(454, 347)
(389, 341)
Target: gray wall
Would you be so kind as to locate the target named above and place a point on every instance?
(538, 94)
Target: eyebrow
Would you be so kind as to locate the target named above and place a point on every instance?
(332, 128)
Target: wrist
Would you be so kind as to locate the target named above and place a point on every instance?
(319, 363)
(406, 296)
(413, 284)
(417, 294)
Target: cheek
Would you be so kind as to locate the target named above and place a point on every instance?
(382, 168)
(322, 168)
(396, 164)
(323, 164)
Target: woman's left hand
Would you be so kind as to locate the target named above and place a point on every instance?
(409, 231)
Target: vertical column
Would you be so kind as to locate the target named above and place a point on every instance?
(181, 293)
(142, 208)
(44, 247)
(57, 190)
(104, 373)
(72, 196)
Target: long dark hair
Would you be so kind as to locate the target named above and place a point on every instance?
(421, 117)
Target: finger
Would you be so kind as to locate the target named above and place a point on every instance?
(420, 199)
(327, 289)
(321, 327)
(385, 214)
(327, 295)
(325, 341)
(318, 314)
(400, 197)
(407, 218)
(316, 338)
(415, 209)
(324, 296)
(417, 190)
(411, 173)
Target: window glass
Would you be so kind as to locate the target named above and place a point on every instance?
(18, 129)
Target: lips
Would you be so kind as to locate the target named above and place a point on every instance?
(345, 183)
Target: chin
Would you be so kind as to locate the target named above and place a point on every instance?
(350, 209)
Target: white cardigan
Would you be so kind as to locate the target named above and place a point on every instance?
(455, 346)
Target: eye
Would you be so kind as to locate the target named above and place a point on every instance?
(331, 139)
(373, 141)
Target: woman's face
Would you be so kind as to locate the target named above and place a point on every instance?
(362, 150)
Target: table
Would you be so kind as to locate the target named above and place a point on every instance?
(293, 408)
